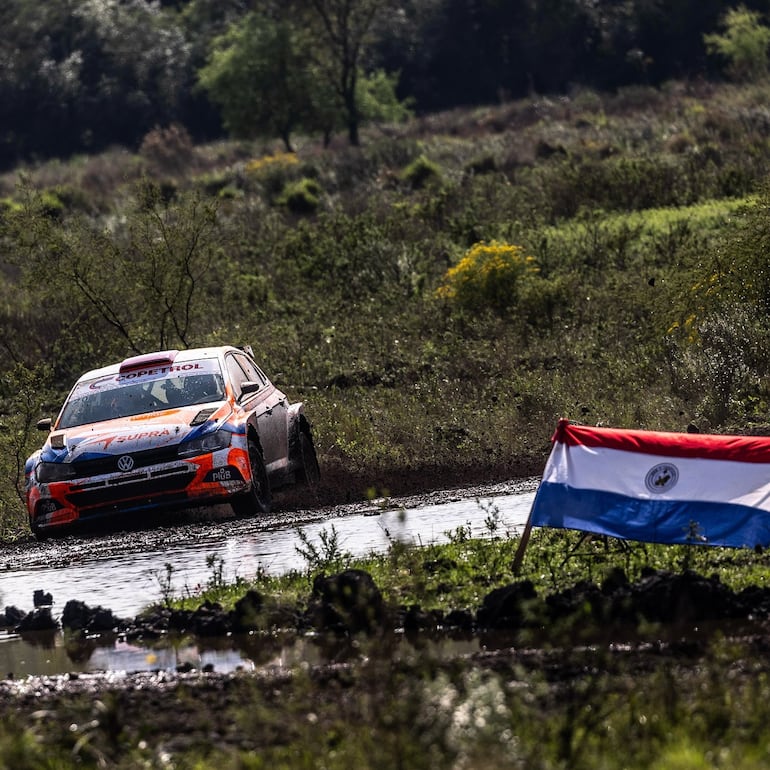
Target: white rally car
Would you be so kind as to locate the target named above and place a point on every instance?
(168, 429)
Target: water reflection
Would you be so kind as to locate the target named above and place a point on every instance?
(28, 656)
(53, 655)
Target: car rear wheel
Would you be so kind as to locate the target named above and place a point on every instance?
(258, 498)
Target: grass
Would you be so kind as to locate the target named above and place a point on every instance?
(459, 573)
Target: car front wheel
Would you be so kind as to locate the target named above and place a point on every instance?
(39, 533)
(257, 499)
(310, 471)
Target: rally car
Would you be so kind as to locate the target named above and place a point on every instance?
(168, 429)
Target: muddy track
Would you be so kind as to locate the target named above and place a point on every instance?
(291, 509)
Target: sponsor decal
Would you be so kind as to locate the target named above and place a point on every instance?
(149, 373)
(47, 507)
(222, 474)
(661, 478)
(143, 435)
(156, 370)
(107, 440)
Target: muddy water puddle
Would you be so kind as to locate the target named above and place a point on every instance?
(51, 656)
(129, 580)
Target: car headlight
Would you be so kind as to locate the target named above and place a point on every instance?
(48, 472)
(212, 442)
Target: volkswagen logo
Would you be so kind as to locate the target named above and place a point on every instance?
(125, 463)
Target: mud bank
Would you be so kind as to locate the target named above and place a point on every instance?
(349, 605)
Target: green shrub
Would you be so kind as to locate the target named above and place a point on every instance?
(561, 190)
(743, 43)
(490, 275)
(301, 197)
(272, 173)
(8, 206)
(421, 172)
(484, 164)
(23, 395)
(51, 204)
(214, 183)
(390, 153)
(229, 192)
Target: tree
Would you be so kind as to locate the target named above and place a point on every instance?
(270, 76)
(378, 101)
(39, 79)
(744, 43)
(346, 33)
(84, 74)
(137, 285)
(259, 76)
(135, 66)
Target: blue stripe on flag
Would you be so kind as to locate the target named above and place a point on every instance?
(650, 520)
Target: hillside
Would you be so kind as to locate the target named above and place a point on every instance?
(438, 297)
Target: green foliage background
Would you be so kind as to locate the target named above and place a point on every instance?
(645, 214)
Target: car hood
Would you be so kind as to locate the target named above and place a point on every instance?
(132, 434)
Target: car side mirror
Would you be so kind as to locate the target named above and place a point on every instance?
(250, 387)
(44, 424)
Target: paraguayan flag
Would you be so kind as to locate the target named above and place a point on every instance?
(657, 487)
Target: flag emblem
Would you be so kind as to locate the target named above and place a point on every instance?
(662, 478)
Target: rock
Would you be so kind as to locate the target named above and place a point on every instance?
(506, 607)
(210, 620)
(42, 599)
(664, 597)
(348, 602)
(461, 619)
(39, 619)
(616, 579)
(414, 618)
(78, 616)
(11, 617)
(245, 614)
(576, 598)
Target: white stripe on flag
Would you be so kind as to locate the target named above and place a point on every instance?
(625, 473)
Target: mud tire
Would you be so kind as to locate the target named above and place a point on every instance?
(310, 472)
(258, 498)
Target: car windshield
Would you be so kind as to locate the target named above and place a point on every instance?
(138, 392)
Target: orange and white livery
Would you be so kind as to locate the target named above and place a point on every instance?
(168, 429)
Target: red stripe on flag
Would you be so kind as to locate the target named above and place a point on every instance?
(744, 449)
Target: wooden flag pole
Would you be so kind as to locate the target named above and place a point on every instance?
(519, 557)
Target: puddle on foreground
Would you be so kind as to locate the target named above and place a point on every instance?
(127, 583)
(50, 655)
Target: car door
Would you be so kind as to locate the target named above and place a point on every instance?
(268, 405)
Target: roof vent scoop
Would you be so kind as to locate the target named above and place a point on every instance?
(164, 357)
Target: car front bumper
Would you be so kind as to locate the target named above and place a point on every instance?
(201, 480)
